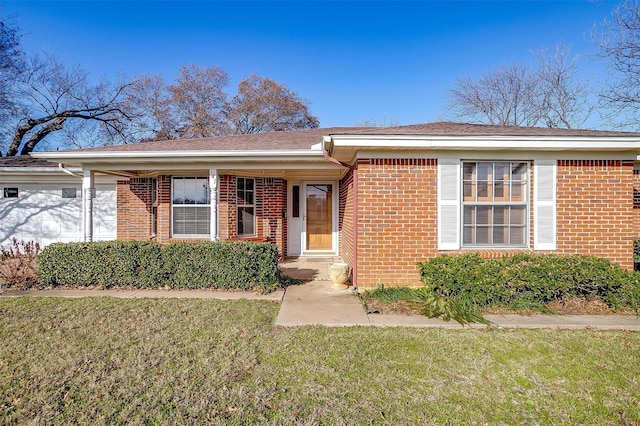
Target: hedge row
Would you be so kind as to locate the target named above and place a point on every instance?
(143, 264)
(531, 281)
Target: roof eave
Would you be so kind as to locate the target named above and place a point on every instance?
(533, 143)
(180, 156)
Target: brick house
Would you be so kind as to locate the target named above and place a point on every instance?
(382, 198)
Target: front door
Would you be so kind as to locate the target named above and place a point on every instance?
(319, 216)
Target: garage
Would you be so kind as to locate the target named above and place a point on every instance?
(42, 202)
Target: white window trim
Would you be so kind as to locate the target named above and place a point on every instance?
(208, 205)
(239, 206)
(526, 203)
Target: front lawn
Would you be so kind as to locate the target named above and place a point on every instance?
(167, 361)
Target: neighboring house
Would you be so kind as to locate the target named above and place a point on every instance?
(382, 198)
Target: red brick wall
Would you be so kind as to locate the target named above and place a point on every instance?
(164, 209)
(595, 209)
(397, 215)
(397, 219)
(272, 192)
(226, 207)
(271, 202)
(133, 199)
(636, 203)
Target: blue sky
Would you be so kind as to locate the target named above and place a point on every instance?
(385, 61)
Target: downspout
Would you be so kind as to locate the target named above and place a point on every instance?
(354, 170)
(69, 172)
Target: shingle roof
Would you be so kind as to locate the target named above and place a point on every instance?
(25, 161)
(465, 129)
(285, 140)
(305, 139)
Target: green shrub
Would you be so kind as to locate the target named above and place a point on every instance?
(105, 263)
(144, 264)
(530, 280)
(222, 265)
(430, 304)
(426, 302)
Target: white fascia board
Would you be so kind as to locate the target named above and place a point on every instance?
(494, 155)
(533, 143)
(156, 166)
(177, 156)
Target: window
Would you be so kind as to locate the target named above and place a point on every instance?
(295, 201)
(245, 196)
(191, 211)
(10, 192)
(68, 192)
(495, 204)
(153, 199)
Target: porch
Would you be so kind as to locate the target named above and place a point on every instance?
(299, 211)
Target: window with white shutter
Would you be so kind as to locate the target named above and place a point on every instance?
(544, 205)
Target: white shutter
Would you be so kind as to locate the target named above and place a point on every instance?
(544, 205)
(448, 204)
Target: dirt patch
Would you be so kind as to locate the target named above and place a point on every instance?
(396, 308)
(575, 306)
(578, 306)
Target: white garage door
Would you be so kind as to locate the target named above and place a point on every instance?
(50, 213)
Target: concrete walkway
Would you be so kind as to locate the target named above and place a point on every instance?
(314, 302)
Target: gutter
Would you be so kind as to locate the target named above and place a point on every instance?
(354, 170)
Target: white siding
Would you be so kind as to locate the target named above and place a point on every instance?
(104, 213)
(41, 214)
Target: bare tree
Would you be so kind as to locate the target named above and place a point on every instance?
(370, 122)
(618, 41)
(149, 105)
(549, 94)
(51, 94)
(264, 105)
(11, 66)
(562, 98)
(199, 100)
(502, 96)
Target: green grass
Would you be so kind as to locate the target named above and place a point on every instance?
(391, 294)
(106, 361)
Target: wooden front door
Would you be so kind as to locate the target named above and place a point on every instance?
(319, 202)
